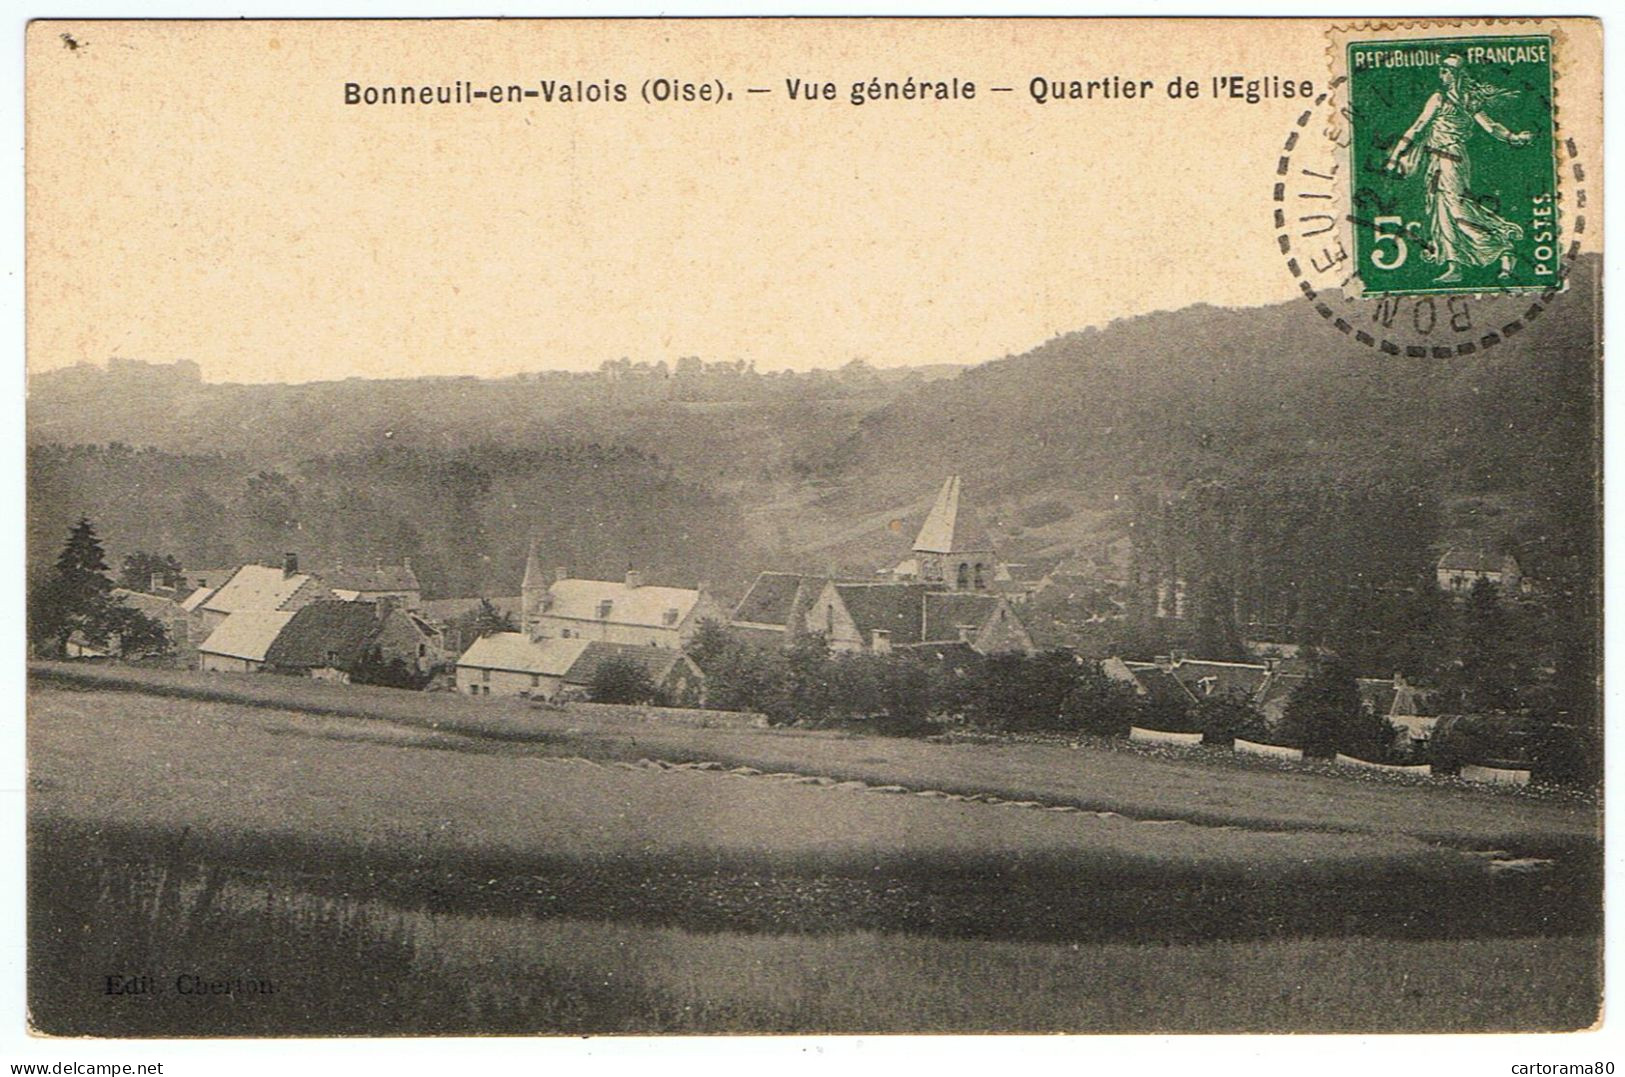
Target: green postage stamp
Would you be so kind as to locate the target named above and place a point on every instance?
(1452, 165)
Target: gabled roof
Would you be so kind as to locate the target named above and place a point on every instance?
(192, 602)
(377, 578)
(197, 584)
(951, 526)
(657, 662)
(256, 587)
(248, 634)
(1472, 559)
(946, 611)
(772, 599)
(643, 605)
(423, 625)
(897, 608)
(1278, 688)
(1160, 685)
(156, 606)
(1204, 678)
(515, 652)
(325, 634)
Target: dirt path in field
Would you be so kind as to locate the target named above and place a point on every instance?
(1498, 861)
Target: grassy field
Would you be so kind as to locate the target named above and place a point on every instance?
(1088, 777)
(322, 965)
(398, 848)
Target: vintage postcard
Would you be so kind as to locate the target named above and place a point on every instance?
(699, 526)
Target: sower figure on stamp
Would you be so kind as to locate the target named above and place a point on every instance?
(1462, 230)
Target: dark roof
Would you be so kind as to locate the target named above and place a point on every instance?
(945, 612)
(1280, 686)
(759, 637)
(1225, 678)
(658, 662)
(342, 629)
(1161, 686)
(377, 578)
(772, 598)
(897, 608)
(1033, 570)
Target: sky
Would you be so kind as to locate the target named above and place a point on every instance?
(202, 191)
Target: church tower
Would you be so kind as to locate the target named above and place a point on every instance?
(953, 549)
(532, 591)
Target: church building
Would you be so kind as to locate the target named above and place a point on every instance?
(944, 595)
(626, 611)
(953, 549)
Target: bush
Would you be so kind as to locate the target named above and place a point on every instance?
(1224, 717)
(1099, 705)
(621, 680)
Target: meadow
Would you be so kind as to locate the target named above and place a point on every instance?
(415, 843)
(1090, 777)
(324, 965)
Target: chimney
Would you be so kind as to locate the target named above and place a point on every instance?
(880, 641)
(290, 565)
(634, 579)
(966, 633)
(1163, 661)
(560, 573)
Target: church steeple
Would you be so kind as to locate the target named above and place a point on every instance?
(953, 548)
(533, 589)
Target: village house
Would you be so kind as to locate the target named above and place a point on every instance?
(612, 611)
(184, 629)
(672, 673)
(1179, 682)
(351, 583)
(257, 588)
(513, 664)
(775, 608)
(1175, 679)
(406, 634)
(181, 628)
(1463, 566)
(240, 642)
(324, 640)
(878, 618)
(1020, 581)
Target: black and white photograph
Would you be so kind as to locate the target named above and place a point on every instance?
(819, 527)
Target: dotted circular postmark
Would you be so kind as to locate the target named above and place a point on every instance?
(1316, 221)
